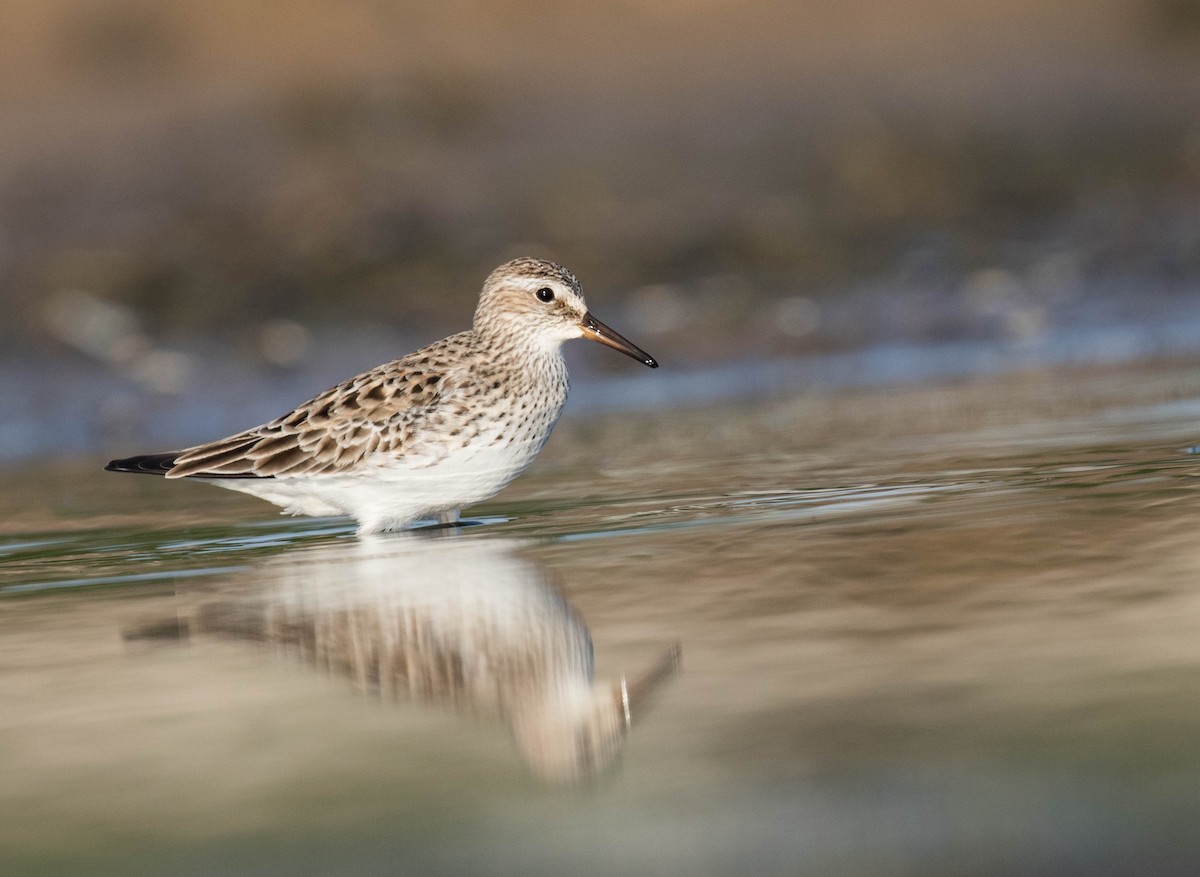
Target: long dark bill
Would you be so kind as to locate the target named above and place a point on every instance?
(597, 331)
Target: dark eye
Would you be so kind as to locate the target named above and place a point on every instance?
(545, 294)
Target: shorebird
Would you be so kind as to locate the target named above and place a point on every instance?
(425, 435)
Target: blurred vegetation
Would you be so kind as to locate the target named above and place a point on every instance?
(742, 170)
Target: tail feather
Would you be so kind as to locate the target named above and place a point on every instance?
(213, 460)
(161, 464)
(145, 464)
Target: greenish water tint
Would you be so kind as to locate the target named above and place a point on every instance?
(943, 630)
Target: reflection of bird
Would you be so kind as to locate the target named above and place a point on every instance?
(460, 621)
(424, 435)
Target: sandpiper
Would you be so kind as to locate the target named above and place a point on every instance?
(427, 434)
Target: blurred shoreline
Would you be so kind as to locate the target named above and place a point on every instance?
(768, 196)
(98, 414)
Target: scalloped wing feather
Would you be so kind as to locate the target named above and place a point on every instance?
(401, 408)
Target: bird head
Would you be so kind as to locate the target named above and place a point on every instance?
(542, 302)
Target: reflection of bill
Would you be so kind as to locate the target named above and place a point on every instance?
(458, 620)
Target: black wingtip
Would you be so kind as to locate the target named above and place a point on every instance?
(144, 464)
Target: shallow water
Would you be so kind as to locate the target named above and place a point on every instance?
(937, 630)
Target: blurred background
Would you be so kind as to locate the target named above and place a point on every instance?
(198, 198)
(927, 273)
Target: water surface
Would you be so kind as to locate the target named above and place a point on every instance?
(941, 630)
